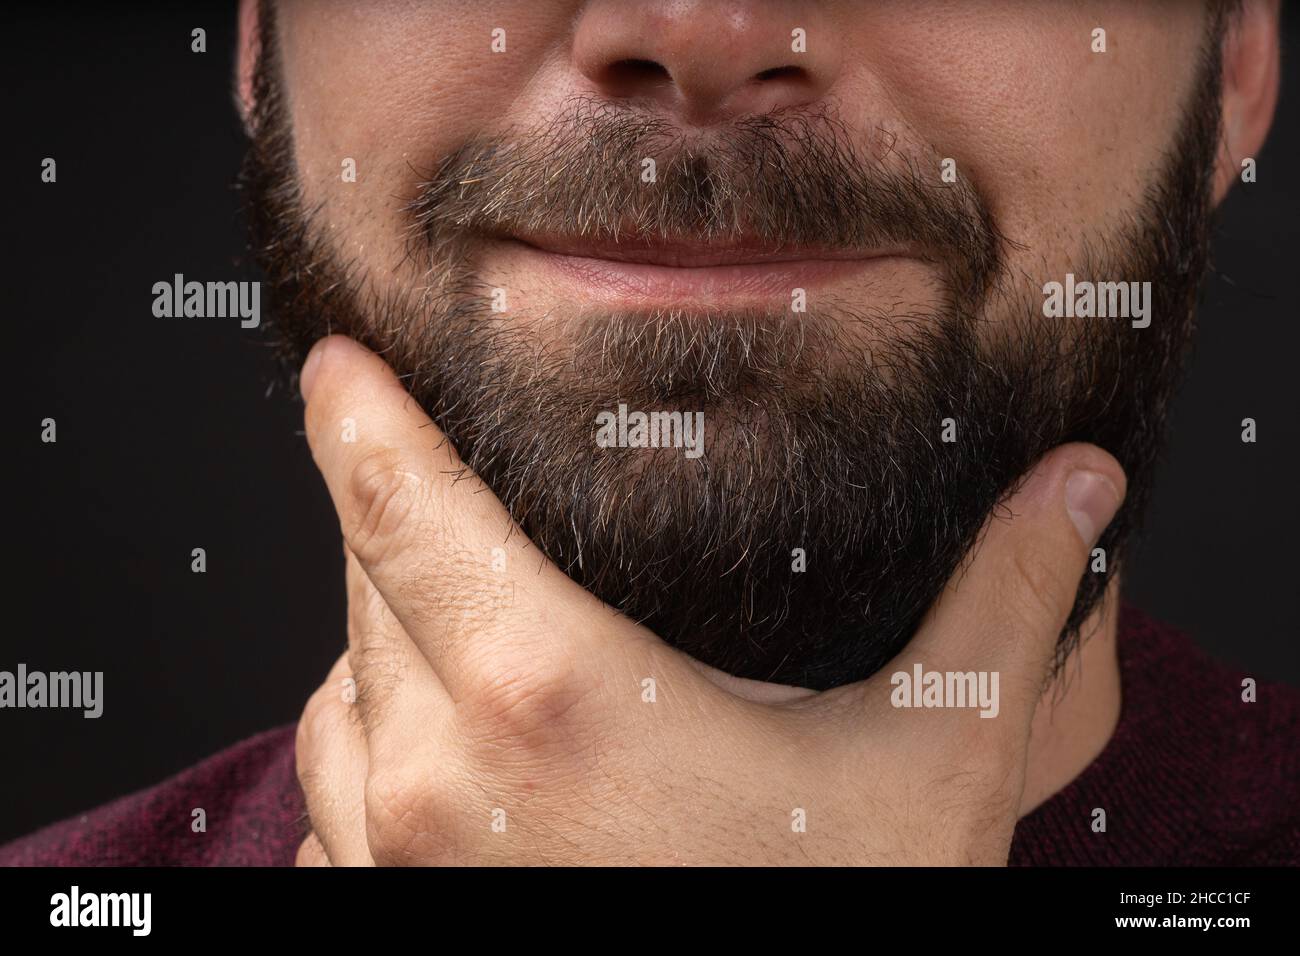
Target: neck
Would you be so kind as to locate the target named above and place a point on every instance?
(1079, 711)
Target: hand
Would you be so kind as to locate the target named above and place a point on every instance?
(503, 715)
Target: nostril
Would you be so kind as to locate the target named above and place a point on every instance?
(780, 73)
(628, 76)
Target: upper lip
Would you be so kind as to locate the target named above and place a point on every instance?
(688, 253)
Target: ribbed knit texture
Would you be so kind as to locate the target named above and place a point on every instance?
(1192, 776)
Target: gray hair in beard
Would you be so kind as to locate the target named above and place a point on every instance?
(819, 439)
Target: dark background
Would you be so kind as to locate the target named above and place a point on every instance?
(171, 438)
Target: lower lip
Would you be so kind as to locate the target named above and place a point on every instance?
(624, 282)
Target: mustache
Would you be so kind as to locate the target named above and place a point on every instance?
(790, 178)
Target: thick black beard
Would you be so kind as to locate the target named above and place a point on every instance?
(816, 441)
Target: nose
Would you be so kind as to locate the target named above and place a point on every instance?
(707, 60)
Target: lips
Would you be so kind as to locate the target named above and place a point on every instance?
(678, 271)
(693, 254)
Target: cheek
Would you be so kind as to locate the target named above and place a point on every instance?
(379, 92)
(1056, 137)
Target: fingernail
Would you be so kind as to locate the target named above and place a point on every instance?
(307, 377)
(1092, 501)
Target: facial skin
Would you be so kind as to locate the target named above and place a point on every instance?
(783, 171)
(518, 171)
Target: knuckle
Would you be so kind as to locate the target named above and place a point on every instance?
(404, 822)
(531, 707)
(383, 494)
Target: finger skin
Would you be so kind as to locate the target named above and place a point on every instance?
(461, 578)
(332, 763)
(396, 687)
(419, 538)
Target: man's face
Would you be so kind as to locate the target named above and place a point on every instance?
(825, 226)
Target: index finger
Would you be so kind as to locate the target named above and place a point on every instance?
(467, 585)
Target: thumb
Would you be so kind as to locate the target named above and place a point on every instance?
(1003, 610)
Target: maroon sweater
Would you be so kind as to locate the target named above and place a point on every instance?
(1192, 776)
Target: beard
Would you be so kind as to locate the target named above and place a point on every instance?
(827, 513)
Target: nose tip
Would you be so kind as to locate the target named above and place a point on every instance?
(706, 61)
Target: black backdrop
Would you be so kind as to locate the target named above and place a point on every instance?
(168, 438)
